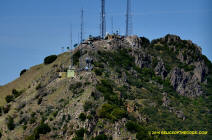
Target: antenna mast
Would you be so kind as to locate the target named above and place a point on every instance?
(82, 26)
(111, 24)
(71, 41)
(103, 20)
(128, 19)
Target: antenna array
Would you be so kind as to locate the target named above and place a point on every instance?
(103, 20)
(82, 26)
(128, 19)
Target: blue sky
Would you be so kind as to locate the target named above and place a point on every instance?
(30, 30)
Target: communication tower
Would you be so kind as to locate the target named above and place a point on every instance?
(103, 20)
(128, 19)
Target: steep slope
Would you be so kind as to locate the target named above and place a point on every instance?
(135, 86)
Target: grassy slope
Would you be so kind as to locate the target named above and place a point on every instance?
(26, 80)
(146, 97)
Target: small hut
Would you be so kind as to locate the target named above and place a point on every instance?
(71, 72)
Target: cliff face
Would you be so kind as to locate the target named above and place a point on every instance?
(135, 86)
(187, 68)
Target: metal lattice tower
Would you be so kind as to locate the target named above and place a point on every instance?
(128, 19)
(71, 38)
(112, 25)
(103, 20)
(82, 26)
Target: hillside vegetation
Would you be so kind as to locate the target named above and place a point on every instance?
(136, 86)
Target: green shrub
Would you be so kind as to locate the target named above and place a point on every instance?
(80, 132)
(55, 113)
(134, 81)
(38, 86)
(23, 71)
(75, 86)
(105, 111)
(32, 120)
(106, 87)
(77, 138)
(6, 109)
(76, 57)
(100, 137)
(111, 112)
(118, 113)
(98, 71)
(10, 123)
(132, 126)
(88, 105)
(82, 116)
(9, 98)
(187, 67)
(42, 128)
(97, 64)
(39, 101)
(142, 135)
(0, 134)
(16, 93)
(50, 59)
(31, 137)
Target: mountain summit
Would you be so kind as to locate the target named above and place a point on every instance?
(113, 88)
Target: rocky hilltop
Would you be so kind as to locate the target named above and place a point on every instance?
(133, 86)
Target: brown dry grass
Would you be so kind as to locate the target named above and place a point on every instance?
(26, 80)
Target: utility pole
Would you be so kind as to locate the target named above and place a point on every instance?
(82, 26)
(71, 41)
(103, 20)
(111, 24)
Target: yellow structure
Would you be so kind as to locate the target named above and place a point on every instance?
(62, 74)
(71, 73)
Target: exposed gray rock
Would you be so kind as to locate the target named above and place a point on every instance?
(200, 71)
(160, 69)
(165, 101)
(142, 59)
(171, 38)
(184, 83)
(180, 115)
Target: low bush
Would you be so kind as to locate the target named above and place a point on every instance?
(50, 59)
(6, 109)
(77, 138)
(9, 98)
(42, 128)
(97, 64)
(16, 93)
(111, 112)
(142, 135)
(187, 67)
(10, 123)
(98, 71)
(76, 57)
(79, 134)
(100, 137)
(23, 71)
(82, 116)
(118, 113)
(132, 126)
(88, 105)
(75, 86)
(39, 101)
(106, 87)
(38, 86)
